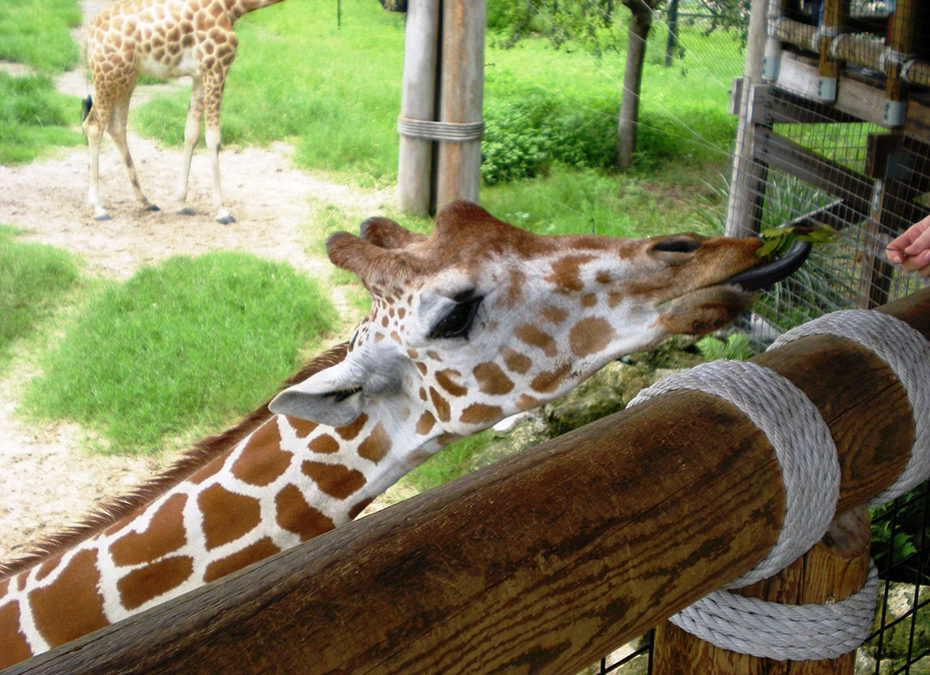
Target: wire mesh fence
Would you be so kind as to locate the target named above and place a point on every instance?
(853, 154)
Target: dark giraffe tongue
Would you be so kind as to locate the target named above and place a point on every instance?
(765, 275)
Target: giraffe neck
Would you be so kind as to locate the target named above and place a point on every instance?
(239, 7)
(286, 482)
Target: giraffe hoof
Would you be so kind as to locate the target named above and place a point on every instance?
(225, 220)
(152, 207)
(186, 211)
(102, 216)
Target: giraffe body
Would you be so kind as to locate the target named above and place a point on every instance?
(469, 325)
(163, 39)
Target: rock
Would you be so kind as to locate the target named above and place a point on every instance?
(606, 392)
(897, 633)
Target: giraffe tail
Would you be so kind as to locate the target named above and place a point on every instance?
(86, 105)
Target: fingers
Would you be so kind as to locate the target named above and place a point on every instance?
(911, 250)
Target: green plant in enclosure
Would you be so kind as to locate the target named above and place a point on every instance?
(737, 347)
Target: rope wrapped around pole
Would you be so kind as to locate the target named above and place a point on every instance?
(448, 132)
(810, 472)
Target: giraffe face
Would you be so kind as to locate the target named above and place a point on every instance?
(481, 319)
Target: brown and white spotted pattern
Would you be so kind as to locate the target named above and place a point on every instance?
(163, 39)
(471, 324)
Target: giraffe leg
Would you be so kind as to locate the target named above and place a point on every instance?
(118, 134)
(191, 136)
(213, 95)
(93, 128)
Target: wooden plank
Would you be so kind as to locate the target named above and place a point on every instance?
(861, 101)
(777, 106)
(541, 562)
(834, 179)
(747, 178)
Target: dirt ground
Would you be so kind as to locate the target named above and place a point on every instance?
(48, 479)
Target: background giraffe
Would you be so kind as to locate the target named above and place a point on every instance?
(163, 39)
(476, 322)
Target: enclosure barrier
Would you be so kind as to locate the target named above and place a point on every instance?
(544, 561)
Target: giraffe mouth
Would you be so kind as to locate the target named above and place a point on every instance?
(763, 276)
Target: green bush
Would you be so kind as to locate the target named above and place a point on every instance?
(534, 129)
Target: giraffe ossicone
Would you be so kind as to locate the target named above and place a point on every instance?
(162, 39)
(469, 325)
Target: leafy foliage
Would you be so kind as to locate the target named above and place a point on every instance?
(529, 132)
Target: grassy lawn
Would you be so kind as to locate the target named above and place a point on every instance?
(334, 92)
(33, 280)
(33, 117)
(36, 33)
(190, 343)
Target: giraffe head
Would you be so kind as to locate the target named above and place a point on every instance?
(481, 320)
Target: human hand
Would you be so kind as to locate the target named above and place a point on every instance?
(912, 249)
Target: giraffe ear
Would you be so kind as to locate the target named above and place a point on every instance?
(385, 233)
(374, 265)
(331, 397)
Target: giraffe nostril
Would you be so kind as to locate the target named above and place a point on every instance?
(677, 245)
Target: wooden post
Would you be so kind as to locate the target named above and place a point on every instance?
(461, 97)
(835, 14)
(672, 44)
(747, 177)
(901, 44)
(834, 569)
(418, 101)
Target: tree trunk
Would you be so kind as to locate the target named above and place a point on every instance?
(638, 31)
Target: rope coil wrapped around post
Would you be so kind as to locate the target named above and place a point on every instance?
(810, 472)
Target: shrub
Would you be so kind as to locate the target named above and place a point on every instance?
(531, 130)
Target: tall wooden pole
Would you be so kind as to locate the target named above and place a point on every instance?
(747, 178)
(418, 99)
(461, 98)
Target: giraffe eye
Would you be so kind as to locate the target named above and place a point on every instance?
(458, 320)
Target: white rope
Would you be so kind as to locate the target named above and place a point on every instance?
(799, 436)
(810, 472)
(907, 353)
(784, 632)
(449, 132)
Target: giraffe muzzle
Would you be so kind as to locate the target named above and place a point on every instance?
(763, 276)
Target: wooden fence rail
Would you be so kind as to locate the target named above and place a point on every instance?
(540, 563)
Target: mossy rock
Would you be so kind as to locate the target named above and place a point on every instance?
(606, 392)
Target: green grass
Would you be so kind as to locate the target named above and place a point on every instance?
(449, 463)
(335, 92)
(33, 280)
(35, 32)
(33, 116)
(187, 344)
